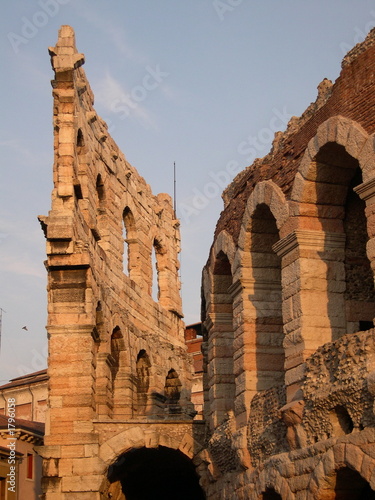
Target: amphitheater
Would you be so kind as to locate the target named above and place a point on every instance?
(287, 313)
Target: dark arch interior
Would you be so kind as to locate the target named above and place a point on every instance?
(156, 474)
(350, 485)
(270, 494)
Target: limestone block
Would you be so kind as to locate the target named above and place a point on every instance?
(353, 456)
(82, 465)
(83, 484)
(72, 451)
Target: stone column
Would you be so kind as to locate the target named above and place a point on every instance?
(313, 285)
(244, 348)
(220, 366)
(70, 438)
(366, 191)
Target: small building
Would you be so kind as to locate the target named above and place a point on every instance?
(20, 466)
(30, 394)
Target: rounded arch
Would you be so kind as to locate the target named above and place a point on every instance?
(270, 480)
(80, 141)
(340, 131)
(143, 374)
(224, 243)
(261, 272)
(139, 437)
(265, 193)
(160, 473)
(172, 387)
(100, 190)
(116, 346)
(270, 494)
(219, 324)
(352, 458)
(333, 168)
(131, 247)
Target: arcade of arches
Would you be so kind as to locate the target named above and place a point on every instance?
(288, 305)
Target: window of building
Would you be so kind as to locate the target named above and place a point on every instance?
(30, 466)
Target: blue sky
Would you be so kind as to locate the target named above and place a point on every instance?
(203, 83)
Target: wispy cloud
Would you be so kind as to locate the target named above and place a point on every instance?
(116, 99)
(106, 26)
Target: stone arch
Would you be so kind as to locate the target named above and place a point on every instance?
(258, 294)
(326, 228)
(163, 269)
(172, 391)
(148, 437)
(342, 131)
(264, 193)
(100, 191)
(346, 456)
(271, 480)
(120, 375)
(219, 326)
(101, 231)
(270, 494)
(334, 166)
(224, 243)
(80, 141)
(160, 473)
(131, 247)
(158, 262)
(143, 375)
(341, 421)
(138, 437)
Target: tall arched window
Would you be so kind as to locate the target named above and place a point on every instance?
(221, 378)
(172, 391)
(266, 300)
(143, 366)
(130, 255)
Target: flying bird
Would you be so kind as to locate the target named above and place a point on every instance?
(25, 328)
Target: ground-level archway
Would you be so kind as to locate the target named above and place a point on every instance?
(156, 474)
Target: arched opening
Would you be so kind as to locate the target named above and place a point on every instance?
(100, 191)
(342, 212)
(116, 338)
(80, 142)
(143, 366)
(155, 291)
(270, 494)
(156, 474)
(267, 300)
(359, 292)
(350, 485)
(130, 254)
(346, 484)
(172, 392)
(221, 377)
(341, 421)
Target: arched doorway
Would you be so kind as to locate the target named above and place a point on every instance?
(156, 474)
(346, 484)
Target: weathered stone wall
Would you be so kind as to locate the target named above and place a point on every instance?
(114, 352)
(288, 303)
